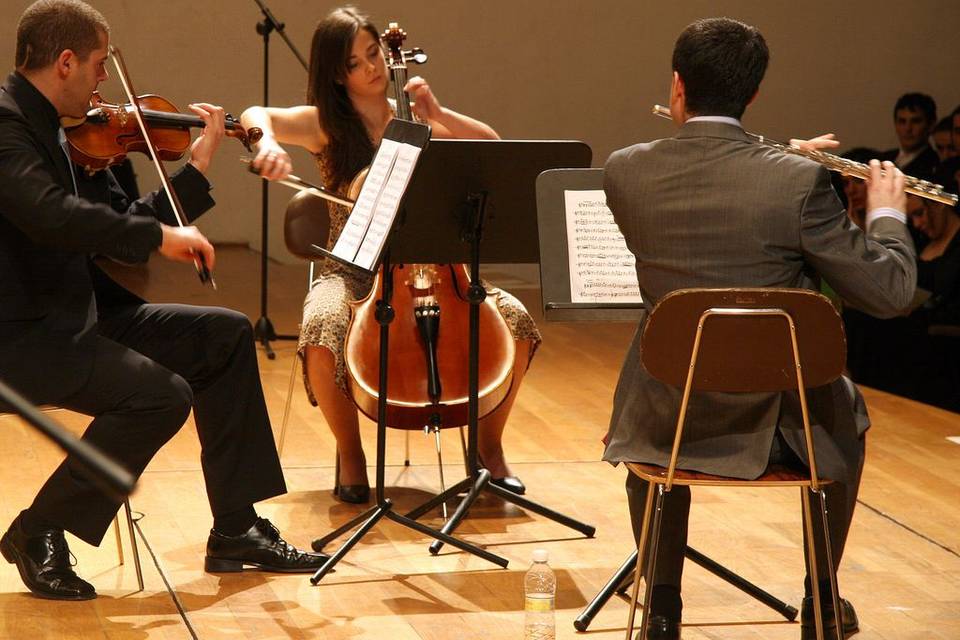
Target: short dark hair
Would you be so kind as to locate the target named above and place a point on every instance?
(49, 27)
(917, 102)
(721, 62)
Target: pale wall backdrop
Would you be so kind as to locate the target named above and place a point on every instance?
(541, 69)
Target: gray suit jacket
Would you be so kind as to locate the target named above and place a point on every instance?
(710, 208)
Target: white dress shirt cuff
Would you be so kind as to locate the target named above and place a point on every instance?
(885, 212)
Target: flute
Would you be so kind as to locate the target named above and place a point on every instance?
(913, 186)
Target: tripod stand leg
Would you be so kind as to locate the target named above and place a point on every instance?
(530, 505)
(482, 480)
(441, 536)
(378, 512)
(616, 584)
(263, 333)
(318, 544)
(752, 590)
(440, 498)
(623, 576)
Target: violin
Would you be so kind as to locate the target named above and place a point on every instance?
(109, 132)
(428, 377)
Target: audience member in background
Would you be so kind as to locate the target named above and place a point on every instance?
(914, 117)
(943, 139)
(915, 361)
(951, 166)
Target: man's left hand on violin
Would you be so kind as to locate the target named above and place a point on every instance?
(203, 148)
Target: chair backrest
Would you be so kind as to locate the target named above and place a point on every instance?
(742, 349)
(306, 222)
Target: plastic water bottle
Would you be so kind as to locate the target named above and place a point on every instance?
(539, 590)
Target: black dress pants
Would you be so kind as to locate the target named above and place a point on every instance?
(841, 500)
(152, 363)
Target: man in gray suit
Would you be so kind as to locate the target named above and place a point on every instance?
(710, 208)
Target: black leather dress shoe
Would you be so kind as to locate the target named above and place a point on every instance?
(662, 628)
(261, 547)
(353, 493)
(510, 483)
(44, 564)
(808, 628)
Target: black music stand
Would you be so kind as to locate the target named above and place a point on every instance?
(556, 294)
(481, 191)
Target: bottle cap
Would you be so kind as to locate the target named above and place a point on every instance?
(541, 555)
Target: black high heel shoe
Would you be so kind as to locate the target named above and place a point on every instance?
(510, 483)
(352, 493)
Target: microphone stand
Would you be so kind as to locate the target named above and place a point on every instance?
(263, 330)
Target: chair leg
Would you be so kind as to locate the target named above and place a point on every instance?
(116, 531)
(133, 544)
(652, 561)
(286, 408)
(406, 448)
(812, 564)
(831, 567)
(644, 530)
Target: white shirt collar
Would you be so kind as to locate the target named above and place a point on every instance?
(723, 119)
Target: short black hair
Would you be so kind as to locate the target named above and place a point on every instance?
(917, 102)
(49, 27)
(721, 62)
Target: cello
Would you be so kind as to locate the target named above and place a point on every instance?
(429, 352)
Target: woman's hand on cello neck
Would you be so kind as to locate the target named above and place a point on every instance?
(446, 123)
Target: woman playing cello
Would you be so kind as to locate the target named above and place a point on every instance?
(346, 115)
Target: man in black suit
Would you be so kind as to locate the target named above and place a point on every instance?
(914, 116)
(74, 338)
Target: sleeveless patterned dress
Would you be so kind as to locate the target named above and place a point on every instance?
(326, 310)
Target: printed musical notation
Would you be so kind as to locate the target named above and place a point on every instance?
(371, 219)
(601, 266)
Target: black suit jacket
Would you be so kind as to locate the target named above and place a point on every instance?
(48, 310)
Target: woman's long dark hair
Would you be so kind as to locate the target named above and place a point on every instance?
(349, 148)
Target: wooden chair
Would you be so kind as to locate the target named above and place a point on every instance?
(131, 530)
(307, 223)
(740, 340)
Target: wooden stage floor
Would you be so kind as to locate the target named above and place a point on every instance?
(901, 569)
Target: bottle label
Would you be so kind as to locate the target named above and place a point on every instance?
(538, 603)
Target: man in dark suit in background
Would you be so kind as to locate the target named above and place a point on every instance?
(711, 208)
(914, 117)
(74, 338)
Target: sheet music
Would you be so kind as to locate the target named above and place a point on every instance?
(601, 266)
(371, 219)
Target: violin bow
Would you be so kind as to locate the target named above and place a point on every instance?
(199, 262)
